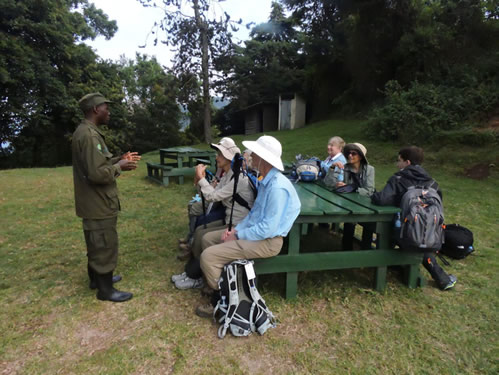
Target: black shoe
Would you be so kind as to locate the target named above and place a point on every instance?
(91, 275)
(449, 284)
(106, 292)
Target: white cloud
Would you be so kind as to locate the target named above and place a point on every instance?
(135, 22)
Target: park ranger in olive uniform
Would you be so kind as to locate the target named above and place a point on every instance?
(95, 171)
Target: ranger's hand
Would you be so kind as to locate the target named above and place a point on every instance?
(131, 156)
(127, 165)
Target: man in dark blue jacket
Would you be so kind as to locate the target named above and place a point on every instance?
(412, 174)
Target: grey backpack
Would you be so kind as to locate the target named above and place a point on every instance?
(306, 169)
(422, 216)
(240, 307)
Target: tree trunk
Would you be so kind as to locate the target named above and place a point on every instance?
(204, 72)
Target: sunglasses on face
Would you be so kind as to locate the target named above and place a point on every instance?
(353, 153)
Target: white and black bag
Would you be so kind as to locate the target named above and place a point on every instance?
(241, 307)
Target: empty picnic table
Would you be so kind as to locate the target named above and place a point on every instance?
(182, 163)
(320, 205)
(185, 154)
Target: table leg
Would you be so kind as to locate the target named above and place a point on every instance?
(180, 163)
(293, 249)
(291, 284)
(380, 279)
(413, 276)
(383, 242)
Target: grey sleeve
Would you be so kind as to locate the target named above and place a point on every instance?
(368, 186)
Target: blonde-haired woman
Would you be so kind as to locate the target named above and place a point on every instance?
(335, 159)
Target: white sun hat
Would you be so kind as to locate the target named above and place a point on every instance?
(227, 147)
(268, 148)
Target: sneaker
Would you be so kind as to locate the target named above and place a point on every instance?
(450, 284)
(182, 240)
(205, 311)
(181, 276)
(189, 283)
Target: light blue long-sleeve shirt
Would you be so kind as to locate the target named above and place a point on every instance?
(275, 209)
(326, 164)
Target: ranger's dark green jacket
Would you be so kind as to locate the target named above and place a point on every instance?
(94, 174)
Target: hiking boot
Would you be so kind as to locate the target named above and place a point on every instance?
(205, 311)
(181, 276)
(206, 291)
(184, 255)
(450, 284)
(183, 246)
(189, 283)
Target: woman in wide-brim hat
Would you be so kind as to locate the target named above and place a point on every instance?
(358, 174)
(359, 178)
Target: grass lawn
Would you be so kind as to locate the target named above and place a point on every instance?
(51, 323)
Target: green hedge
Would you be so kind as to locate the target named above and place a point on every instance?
(427, 111)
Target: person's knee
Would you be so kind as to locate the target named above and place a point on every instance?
(204, 259)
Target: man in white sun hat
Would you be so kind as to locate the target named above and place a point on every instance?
(222, 193)
(260, 234)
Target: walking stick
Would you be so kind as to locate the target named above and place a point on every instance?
(236, 165)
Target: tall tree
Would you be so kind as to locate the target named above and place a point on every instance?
(43, 70)
(196, 38)
(270, 64)
(151, 100)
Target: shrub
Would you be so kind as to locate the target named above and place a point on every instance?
(425, 110)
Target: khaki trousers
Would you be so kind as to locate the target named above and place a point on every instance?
(218, 253)
(197, 243)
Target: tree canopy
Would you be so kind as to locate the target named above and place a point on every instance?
(414, 67)
(45, 68)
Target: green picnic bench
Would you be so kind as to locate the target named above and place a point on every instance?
(320, 205)
(161, 173)
(183, 164)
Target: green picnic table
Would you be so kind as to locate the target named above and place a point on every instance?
(179, 162)
(185, 155)
(320, 205)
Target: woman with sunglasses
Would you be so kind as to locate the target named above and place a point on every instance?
(358, 177)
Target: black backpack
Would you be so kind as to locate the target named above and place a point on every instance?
(458, 241)
(422, 216)
(240, 307)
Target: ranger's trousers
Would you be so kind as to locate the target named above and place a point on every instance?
(101, 238)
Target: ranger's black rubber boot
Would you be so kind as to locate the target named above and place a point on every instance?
(106, 292)
(91, 276)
